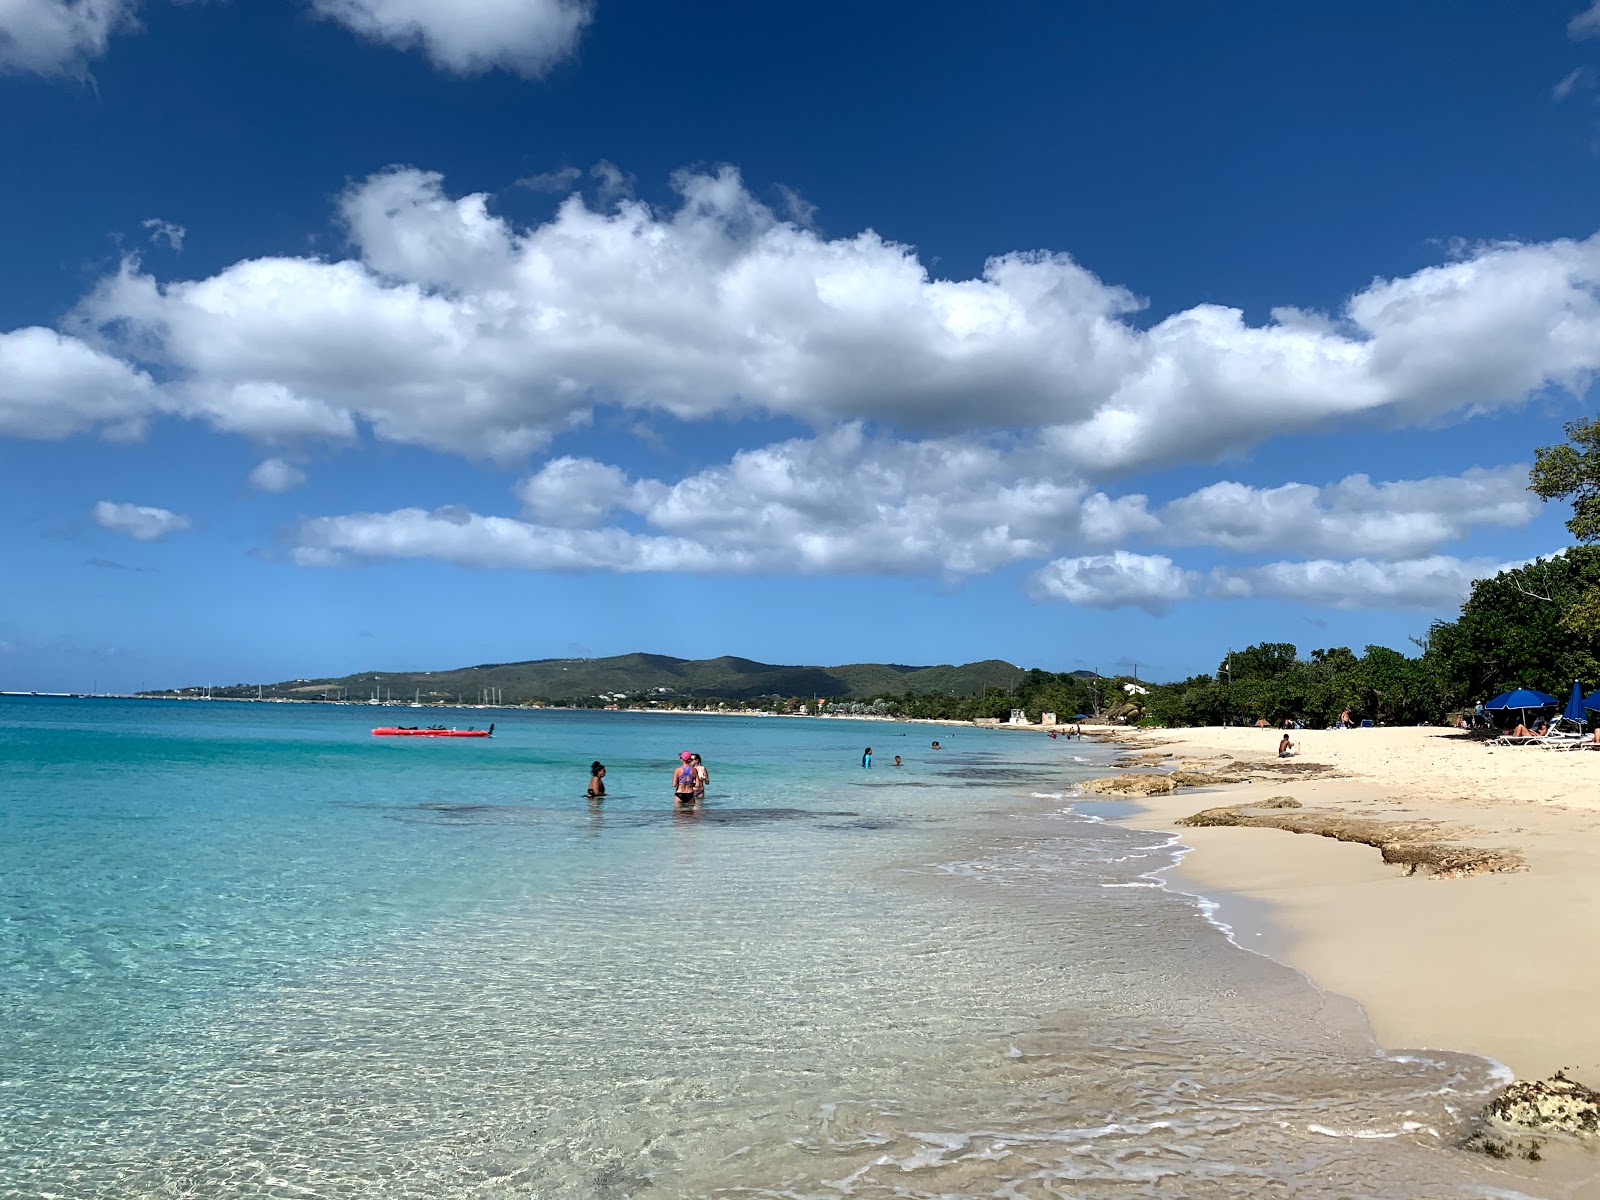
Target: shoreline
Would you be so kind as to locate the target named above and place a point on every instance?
(1500, 963)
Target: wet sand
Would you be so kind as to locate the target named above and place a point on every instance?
(1504, 964)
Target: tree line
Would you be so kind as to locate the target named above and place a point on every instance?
(1534, 626)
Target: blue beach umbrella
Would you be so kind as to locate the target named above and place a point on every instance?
(1576, 710)
(1523, 698)
(1592, 700)
(1085, 716)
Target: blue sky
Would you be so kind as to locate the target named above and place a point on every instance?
(348, 334)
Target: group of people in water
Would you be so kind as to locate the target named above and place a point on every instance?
(689, 779)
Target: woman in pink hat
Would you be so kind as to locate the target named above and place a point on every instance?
(684, 779)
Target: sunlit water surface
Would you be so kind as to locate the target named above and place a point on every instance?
(250, 950)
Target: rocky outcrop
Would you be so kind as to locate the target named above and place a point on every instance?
(1130, 785)
(1417, 846)
(1554, 1105)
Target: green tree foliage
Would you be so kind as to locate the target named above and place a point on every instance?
(1571, 471)
(1271, 682)
(1515, 631)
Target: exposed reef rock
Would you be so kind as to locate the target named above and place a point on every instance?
(1130, 785)
(1554, 1105)
(1157, 785)
(1413, 845)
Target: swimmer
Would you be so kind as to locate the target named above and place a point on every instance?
(866, 758)
(897, 760)
(936, 745)
(597, 780)
(684, 779)
(701, 777)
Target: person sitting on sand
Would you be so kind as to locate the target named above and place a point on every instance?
(1285, 747)
(684, 779)
(597, 779)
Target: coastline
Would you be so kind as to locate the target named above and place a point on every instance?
(1502, 964)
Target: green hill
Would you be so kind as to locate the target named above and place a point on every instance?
(648, 675)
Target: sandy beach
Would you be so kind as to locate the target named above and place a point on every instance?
(1501, 962)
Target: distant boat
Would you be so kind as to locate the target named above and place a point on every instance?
(435, 731)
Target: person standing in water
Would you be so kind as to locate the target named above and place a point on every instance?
(701, 776)
(597, 780)
(866, 758)
(897, 760)
(684, 778)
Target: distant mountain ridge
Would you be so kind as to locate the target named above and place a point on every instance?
(660, 675)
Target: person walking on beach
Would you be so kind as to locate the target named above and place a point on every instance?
(866, 758)
(597, 779)
(684, 779)
(701, 776)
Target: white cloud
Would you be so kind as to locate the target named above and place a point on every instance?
(276, 475)
(54, 386)
(456, 330)
(847, 502)
(1586, 24)
(475, 541)
(576, 493)
(138, 521)
(1432, 583)
(164, 231)
(1152, 582)
(58, 37)
(471, 36)
(1352, 517)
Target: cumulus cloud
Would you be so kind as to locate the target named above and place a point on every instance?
(54, 386)
(276, 475)
(850, 502)
(1432, 583)
(471, 540)
(454, 329)
(58, 37)
(468, 37)
(138, 521)
(1152, 582)
(1354, 516)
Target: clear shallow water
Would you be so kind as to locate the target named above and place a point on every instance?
(249, 950)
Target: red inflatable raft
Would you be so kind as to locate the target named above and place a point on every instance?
(413, 731)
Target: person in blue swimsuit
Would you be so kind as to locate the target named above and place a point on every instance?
(866, 758)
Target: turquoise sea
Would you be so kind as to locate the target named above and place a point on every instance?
(249, 950)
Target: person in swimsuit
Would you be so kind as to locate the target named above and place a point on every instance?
(597, 780)
(684, 779)
(866, 758)
(936, 745)
(897, 760)
(701, 776)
